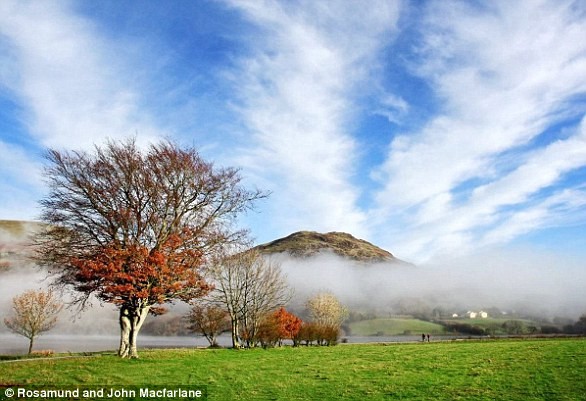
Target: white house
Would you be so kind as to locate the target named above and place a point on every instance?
(474, 315)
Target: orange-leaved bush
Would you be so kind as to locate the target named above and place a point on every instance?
(288, 324)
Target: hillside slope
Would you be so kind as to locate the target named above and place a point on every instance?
(14, 239)
(309, 243)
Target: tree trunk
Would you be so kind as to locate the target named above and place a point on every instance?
(235, 342)
(131, 320)
(30, 345)
(125, 323)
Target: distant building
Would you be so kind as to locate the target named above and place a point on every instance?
(475, 315)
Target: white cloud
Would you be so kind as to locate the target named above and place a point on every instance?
(392, 107)
(70, 87)
(20, 175)
(297, 89)
(562, 208)
(74, 92)
(487, 167)
(504, 73)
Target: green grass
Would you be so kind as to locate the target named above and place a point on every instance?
(482, 370)
(393, 326)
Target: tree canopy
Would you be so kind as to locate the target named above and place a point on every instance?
(134, 226)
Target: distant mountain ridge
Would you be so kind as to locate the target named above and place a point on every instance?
(14, 239)
(304, 244)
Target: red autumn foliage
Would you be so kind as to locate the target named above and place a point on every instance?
(288, 325)
(321, 334)
(117, 275)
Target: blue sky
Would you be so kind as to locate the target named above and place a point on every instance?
(426, 127)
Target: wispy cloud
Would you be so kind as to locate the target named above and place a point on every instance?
(71, 93)
(505, 74)
(75, 92)
(293, 92)
(297, 88)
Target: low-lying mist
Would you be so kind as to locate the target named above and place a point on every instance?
(529, 283)
(99, 319)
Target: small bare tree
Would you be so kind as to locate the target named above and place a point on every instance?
(327, 314)
(209, 320)
(35, 312)
(249, 286)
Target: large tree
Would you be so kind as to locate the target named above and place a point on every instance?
(134, 226)
(34, 312)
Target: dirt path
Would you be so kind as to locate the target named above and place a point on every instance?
(49, 358)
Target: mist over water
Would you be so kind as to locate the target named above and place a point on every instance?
(531, 283)
(523, 281)
(99, 319)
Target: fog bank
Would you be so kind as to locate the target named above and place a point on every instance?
(99, 319)
(532, 283)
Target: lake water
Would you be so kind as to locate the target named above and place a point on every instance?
(11, 344)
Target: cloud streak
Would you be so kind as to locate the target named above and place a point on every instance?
(505, 74)
(482, 108)
(298, 89)
(72, 93)
(75, 92)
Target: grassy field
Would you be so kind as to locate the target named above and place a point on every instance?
(394, 326)
(481, 370)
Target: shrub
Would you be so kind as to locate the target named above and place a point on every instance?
(550, 330)
(464, 328)
(43, 353)
(267, 333)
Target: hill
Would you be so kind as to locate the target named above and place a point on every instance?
(14, 237)
(15, 230)
(304, 244)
